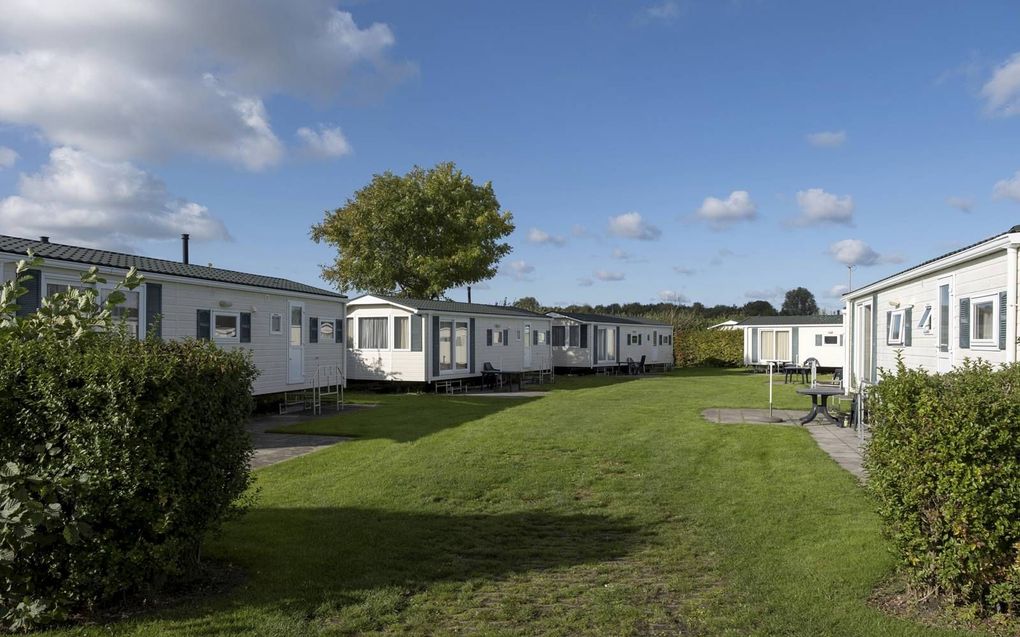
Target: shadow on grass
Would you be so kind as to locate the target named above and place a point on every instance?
(406, 418)
(319, 563)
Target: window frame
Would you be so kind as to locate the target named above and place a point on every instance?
(272, 316)
(332, 324)
(926, 322)
(825, 338)
(236, 338)
(385, 331)
(895, 316)
(49, 278)
(774, 332)
(394, 320)
(991, 343)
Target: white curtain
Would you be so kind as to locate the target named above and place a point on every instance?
(372, 333)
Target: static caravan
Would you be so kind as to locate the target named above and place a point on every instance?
(598, 341)
(794, 339)
(416, 340)
(959, 305)
(294, 331)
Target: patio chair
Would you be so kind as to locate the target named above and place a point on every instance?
(631, 366)
(641, 364)
(491, 375)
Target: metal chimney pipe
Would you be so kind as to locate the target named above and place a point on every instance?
(469, 293)
(184, 246)
(44, 239)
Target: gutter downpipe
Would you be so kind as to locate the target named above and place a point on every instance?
(1011, 297)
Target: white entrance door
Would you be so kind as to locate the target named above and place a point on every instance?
(655, 347)
(527, 346)
(296, 349)
(944, 321)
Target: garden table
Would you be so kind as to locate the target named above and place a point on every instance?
(820, 393)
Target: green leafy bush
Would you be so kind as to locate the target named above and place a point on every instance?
(944, 461)
(709, 348)
(117, 457)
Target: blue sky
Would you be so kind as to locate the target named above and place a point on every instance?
(714, 151)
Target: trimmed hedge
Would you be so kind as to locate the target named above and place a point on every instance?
(709, 348)
(118, 457)
(944, 461)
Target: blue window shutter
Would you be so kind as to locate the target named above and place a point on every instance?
(435, 346)
(338, 330)
(313, 329)
(153, 310)
(534, 336)
(506, 338)
(244, 331)
(29, 302)
(471, 345)
(964, 323)
(617, 343)
(754, 344)
(488, 338)
(795, 345)
(1002, 320)
(584, 337)
(416, 326)
(548, 337)
(908, 337)
(202, 328)
(888, 327)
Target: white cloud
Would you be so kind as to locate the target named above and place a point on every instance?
(519, 270)
(827, 139)
(579, 231)
(672, 296)
(630, 225)
(542, 237)
(127, 81)
(665, 11)
(327, 141)
(685, 271)
(605, 275)
(8, 157)
(585, 282)
(817, 206)
(1008, 188)
(837, 291)
(769, 294)
(723, 212)
(963, 204)
(620, 254)
(1002, 91)
(856, 252)
(76, 198)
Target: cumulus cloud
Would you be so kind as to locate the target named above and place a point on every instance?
(519, 270)
(542, 237)
(605, 275)
(721, 213)
(585, 282)
(767, 294)
(1008, 188)
(8, 156)
(963, 204)
(326, 141)
(827, 139)
(817, 207)
(684, 271)
(79, 199)
(672, 296)
(1002, 91)
(630, 225)
(128, 81)
(856, 252)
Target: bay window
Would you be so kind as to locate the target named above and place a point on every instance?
(372, 332)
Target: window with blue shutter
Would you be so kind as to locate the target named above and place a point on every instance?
(203, 321)
(313, 329)
(245, 329)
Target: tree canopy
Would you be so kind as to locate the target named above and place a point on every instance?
(799, 302)
(416, 235)
(759, 308)
(529, 303)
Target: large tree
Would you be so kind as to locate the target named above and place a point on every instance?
(416, 235)
(529, 303)
(758, 308)
(799, 302)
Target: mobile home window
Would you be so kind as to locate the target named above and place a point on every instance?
(276, 324)
(462, 345)
(326, 331)
(372, 332)
(830, 339)
(895, 336)
(983, 325)
(445, 346)
(225, 326)
(575, 335)
(497, 336)
(541, 337)
(350, 333)
(925, 322)
(607, 343)
(125, 313)
(944, 318)
(401, 332)
(774, 345)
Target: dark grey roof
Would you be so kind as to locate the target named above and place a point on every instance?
(817, 319)
(1015, 229)
(429, 305)
(588, 317)
(90, 256)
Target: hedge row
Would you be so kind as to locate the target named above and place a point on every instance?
(944, 461)
(709, 348)
(118, 457)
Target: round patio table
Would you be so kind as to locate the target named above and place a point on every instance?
(820, 393)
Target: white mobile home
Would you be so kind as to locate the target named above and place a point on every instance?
(417, 340)
(293, 330)
(959, 305)
(793, 339)
(583, 340)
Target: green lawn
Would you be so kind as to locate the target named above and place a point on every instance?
(606, 507)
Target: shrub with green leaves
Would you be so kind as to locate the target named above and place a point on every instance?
(944, 461)
(117, 456)
(709, 348)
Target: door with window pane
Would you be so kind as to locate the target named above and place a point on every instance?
(296, 346)
(461, 347)
(445, 346)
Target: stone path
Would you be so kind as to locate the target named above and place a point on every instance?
(840, 443)
(271, 448)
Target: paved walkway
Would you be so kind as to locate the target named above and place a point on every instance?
(271, 448)
(506, 394)
(839, 442)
